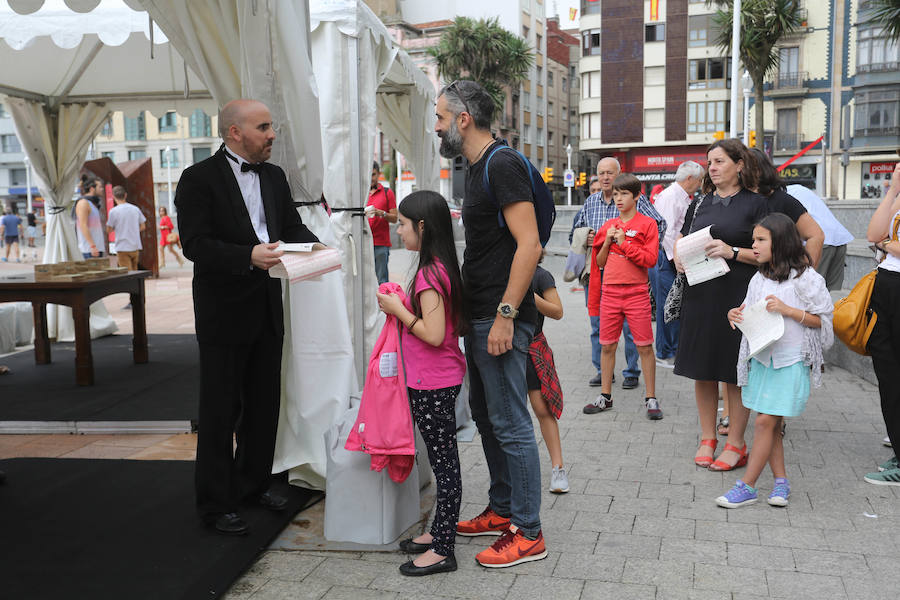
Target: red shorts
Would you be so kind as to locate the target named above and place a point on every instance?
(625, 301)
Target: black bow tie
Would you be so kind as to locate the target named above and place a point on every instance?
(255, 167)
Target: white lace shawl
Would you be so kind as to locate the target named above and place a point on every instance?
(815, 299)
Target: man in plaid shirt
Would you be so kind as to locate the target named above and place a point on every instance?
(597, 210)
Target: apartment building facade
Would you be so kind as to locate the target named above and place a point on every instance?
(172, 142)
(655, 89)
(13, 175)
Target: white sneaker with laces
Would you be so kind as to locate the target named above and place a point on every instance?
(559, 482)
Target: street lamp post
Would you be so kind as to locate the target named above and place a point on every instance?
(568, 168)
(747, 83)
(28, 182)
(735, 59)
(168, 153)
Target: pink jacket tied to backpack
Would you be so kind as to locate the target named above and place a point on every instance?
(384, 427)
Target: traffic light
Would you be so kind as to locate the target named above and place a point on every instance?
(719, 135)
(751, 143)
(582, 178)
(548, 174)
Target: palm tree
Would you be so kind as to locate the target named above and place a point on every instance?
(763, 24)
(887, 12)
(486, 53)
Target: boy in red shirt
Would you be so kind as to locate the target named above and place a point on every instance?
(626, 246)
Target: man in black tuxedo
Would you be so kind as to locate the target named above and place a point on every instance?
(233, 208)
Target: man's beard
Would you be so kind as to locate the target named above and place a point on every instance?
(451, 142)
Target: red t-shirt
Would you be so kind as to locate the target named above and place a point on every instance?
(382, 199)
(626, 263)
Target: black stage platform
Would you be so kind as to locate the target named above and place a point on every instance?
(78, 528)
(163, 390)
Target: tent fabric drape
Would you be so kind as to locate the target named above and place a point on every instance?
(55, 142)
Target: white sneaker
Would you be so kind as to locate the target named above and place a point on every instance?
(559, 483)
(886, 441)
(666, 363)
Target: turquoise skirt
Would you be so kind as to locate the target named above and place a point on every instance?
(781, 392)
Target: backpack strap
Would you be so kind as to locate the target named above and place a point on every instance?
(486, 180)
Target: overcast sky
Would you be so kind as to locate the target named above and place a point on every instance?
(563, 7)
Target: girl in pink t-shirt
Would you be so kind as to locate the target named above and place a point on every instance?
(434, 364)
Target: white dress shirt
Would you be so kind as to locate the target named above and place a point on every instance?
(248, 182)
(672, 204)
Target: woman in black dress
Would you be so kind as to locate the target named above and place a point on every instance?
(708, 346)
(771, 186)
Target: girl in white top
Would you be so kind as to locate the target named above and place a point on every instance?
(884, 343)
(776, 380)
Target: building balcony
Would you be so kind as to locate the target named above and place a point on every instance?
(878, 67)
(877, 131)
(791, 80)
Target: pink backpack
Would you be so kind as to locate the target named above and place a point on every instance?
(384, 427)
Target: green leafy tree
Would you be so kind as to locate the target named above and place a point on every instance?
(481, 50)
(887, 13)
(763, 24)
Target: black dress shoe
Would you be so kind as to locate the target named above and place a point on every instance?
(3, 479)
(630, 383)
(445, 566)
(411, 547)
(595, 381)
(272, 501)
(231, 524)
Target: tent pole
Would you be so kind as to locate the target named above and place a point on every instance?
(359, 329)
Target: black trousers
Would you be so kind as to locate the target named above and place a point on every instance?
(240, 391)
(435, 415)
(884, 346)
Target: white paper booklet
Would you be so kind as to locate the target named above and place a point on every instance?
(697, 266)
(299, 265)
(761, 327)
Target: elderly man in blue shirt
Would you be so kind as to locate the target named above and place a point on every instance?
(597, 210)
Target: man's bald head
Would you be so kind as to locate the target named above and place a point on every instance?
(235, 112)
(246, 127)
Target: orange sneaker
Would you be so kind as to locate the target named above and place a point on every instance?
(512, 548)
(487, 523)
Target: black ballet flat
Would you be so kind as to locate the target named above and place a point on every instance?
(445, 566)
(411, 547)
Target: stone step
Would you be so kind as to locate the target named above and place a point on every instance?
(854, 214)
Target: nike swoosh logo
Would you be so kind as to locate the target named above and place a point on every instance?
(497, 524)
(526, 551)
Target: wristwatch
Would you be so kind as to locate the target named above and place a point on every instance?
(736, 251)
(505, 309)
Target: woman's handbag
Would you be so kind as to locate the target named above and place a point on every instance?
(172, 238)
(672, 307)
(853, 320)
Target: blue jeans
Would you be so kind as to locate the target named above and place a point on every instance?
(632, 366)
(666, 333)
(382, 253)
(498, 397)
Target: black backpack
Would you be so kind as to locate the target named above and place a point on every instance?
(544, 208)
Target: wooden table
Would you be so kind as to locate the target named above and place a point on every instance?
(79, 295)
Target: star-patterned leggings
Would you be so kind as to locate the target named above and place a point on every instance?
(435, 415)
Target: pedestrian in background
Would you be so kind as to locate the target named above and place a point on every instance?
(384, 212)
(127, 222)
(88, 227)
(168, 238)
(672, 205)
(834, 251)
(10, 228)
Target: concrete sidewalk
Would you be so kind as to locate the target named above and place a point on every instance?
(640, 522)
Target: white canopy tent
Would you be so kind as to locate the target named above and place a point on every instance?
(78, 60)
(369, 84)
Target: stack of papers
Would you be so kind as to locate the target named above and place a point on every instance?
(305, 261)
(761, 327)
(697, 266)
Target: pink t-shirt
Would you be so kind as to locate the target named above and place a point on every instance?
(429, 367)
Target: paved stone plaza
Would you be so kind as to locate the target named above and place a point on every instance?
(639, 521)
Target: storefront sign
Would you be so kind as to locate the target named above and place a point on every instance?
(876, 178)
(665, 162)
(880, 167)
